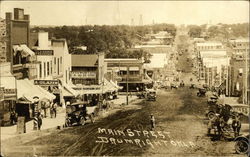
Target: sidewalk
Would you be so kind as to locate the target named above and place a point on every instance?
(49, 123)
(10, 131)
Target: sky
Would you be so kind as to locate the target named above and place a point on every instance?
(122, 12)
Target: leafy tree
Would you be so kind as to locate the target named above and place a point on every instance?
(194, 31)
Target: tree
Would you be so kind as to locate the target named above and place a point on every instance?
(194, 31)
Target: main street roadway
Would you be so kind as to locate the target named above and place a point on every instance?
(180, 130)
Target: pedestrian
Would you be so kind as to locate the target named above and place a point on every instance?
(12, 116)
(236, 125)
(152, 121)
(51, 110)
(39, 120)
(54, 108)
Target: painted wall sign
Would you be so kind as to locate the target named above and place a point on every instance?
(44, 52)
(45, 82)
(81, 74)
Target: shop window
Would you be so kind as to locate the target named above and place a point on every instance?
(54, 64)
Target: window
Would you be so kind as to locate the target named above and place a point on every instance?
(51, 67)
(66, 76)
(40, 70)
(58, 66)
(48, 68)
(54, 64)
(44, 69)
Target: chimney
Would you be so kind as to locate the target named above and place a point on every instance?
(18, 14)
(27, 17)
(8, 16)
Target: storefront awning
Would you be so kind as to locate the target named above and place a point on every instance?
(26, 89)
(108, 86)
(66, 92)
(70, 89)
(25, 51)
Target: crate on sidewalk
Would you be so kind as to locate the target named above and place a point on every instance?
(21, 127)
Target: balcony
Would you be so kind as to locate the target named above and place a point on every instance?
(27, 70)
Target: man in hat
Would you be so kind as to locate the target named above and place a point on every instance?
(152, 121)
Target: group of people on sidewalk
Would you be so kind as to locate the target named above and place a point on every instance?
(42, 113)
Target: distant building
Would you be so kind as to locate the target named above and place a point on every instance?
(87, 72)
(239, 79)
(240, 46)
(127, 70)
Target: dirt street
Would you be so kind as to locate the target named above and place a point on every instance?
(180, 130)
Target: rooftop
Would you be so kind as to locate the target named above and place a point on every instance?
(209, 44)
(88, 60)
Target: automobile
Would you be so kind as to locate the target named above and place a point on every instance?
(242, 144)
(201, 92)
(141, 95)
(151, 95)
(79, 112)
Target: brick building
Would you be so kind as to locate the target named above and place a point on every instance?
(22, 59)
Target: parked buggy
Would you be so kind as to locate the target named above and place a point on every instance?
(201, 92)
(79, 112)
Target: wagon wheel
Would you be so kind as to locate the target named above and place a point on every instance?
(241, 147)
(210, 115)
(92, 118)
(82, 121)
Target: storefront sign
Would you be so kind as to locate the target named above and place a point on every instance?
(87, 88)
(44, 52)
(83, 74)
(45, 82)
(10, 94)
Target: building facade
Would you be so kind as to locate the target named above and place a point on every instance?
(127, 72)
(22, 59)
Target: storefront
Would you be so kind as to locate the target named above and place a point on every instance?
(26, 94)
(52, 86)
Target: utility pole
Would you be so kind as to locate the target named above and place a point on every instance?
(127, 85)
